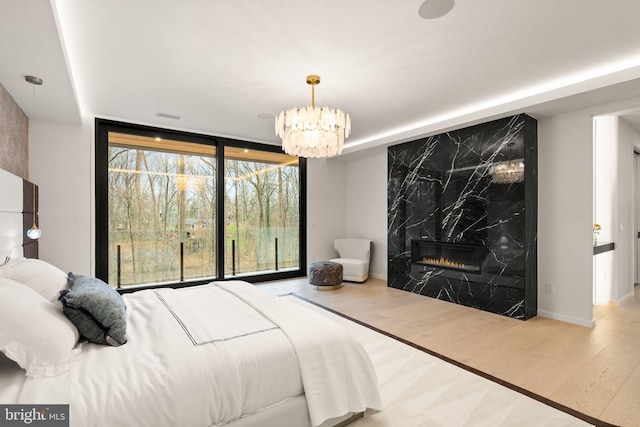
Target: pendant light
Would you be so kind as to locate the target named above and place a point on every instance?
(34, 232)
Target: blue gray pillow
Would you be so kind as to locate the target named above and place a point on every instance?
(96, 309)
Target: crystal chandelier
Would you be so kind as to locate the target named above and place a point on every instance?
(313, 131)
(509, 171)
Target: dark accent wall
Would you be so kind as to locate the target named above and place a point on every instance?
(440, 190)
(29, 213)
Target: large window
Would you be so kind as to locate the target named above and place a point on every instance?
(176, 208)
(262, 211)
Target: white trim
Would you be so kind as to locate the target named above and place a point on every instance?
(626, 298)
(568, 319)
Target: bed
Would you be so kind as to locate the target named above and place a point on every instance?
(225, 353)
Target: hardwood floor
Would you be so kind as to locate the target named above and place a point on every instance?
(595, 371)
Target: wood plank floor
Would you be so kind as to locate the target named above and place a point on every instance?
(595, 371)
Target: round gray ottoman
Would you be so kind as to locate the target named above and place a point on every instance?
(325, 275)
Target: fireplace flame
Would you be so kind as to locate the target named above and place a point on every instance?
(442, 261)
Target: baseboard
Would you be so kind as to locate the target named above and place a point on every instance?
(614, 303)
(626, 298)
(568, 319)
(381, 276)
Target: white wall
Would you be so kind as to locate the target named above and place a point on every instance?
(61, 164)
(605, 206)
(627, 139)
(326, 207)
(565, 211)
(347, 197)
(614, 208)
(367, 204)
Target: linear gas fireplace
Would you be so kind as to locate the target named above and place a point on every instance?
(464, 257)
(441, 190)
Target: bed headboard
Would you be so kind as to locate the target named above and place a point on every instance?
(18, 205)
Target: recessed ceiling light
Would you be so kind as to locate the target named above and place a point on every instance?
(432, 9)
(158, 139)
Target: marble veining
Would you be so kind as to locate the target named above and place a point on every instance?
(440, 189)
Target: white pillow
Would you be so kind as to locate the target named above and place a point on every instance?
(34, 332)
(44, 278)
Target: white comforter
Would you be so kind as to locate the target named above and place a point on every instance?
(337, 374)
(208, 355)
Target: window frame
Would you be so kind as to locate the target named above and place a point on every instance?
(102, 129)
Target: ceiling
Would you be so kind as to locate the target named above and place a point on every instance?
(227, 67)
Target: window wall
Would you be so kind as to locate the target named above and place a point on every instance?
(262, 232)
(175, 208)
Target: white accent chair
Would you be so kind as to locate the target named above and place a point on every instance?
(354, 257)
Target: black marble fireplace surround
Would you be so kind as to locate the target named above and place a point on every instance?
(455, 234)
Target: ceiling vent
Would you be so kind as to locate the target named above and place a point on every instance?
(168, 116)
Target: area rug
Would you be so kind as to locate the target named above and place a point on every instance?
(423, 388)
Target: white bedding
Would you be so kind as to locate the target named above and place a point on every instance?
(174, 371)
(337, 374)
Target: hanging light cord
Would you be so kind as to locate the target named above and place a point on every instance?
(34, 206)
